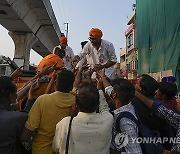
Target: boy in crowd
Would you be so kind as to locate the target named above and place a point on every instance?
(121, 92)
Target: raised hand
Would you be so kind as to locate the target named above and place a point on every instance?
(99, 82)
(101, 73)
(34, 86)
(16, 73)
(45, 70)
(98, 67)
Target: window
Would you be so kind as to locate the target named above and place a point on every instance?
(130, 40)
(122, 58)
(133, 65)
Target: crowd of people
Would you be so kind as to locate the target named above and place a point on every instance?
(86, 109)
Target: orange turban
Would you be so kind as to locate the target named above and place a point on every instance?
(63, 39)
(50, 60)
(95, 32)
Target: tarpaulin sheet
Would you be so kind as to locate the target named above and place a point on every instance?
(158, 36)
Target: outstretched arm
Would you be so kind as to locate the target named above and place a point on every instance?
(51, 83)
(148, 102)
(45, 70)
(158, 108)
(16, 73)
(23, 91)
(78, 77)
(104, 78)
(98, 67)
(103, 106)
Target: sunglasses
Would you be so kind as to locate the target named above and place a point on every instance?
(92, 39)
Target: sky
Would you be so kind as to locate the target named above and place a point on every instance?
(110, 16)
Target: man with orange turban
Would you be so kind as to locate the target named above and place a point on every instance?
(99, 53)
(69, 55)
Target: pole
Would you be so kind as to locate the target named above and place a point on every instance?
(67, 28)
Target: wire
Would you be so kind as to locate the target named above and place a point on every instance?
(57, 10)
(63, 9)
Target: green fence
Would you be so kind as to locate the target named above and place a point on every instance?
(158, 36)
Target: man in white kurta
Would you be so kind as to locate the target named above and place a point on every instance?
(99, 53)
(90, 132)
(69, 54)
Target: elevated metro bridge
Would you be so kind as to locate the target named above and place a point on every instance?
(32, 25)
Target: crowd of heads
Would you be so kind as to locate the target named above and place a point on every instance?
(123, 90)
(87, 97)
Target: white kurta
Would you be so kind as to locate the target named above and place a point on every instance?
(90, 132)
(68, 57)
(105, 53)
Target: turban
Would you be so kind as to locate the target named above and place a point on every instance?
(95, 32)
(50, 60)
(63, 39)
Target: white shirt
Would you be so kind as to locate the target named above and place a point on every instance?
(105, 54)
(90, 132)
(68, 57)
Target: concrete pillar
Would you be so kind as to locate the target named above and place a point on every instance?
(23, 44)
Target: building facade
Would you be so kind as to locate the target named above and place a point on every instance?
(131, 48)
(123, 68)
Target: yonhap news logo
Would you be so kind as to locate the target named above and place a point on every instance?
(156, 140)
(122, 139)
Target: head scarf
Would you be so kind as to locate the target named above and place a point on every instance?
(95, 32)
(168, 79)
(50, 60)
(63, 39)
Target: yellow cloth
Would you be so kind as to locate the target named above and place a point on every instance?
(46, 112)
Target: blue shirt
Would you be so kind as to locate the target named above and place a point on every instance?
(129, 130)
(11, 125)
(172, 117)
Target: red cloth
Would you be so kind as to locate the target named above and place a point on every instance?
(170, 103)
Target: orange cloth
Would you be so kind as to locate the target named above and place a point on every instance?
(63, 39)
(50, 60)
(95, 32)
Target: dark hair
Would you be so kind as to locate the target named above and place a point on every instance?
(64, 81)
(148, 85)
(83, 43)
(60, 52)
(7, 87)
(168, 88)
(124, 89)
(87, 98)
